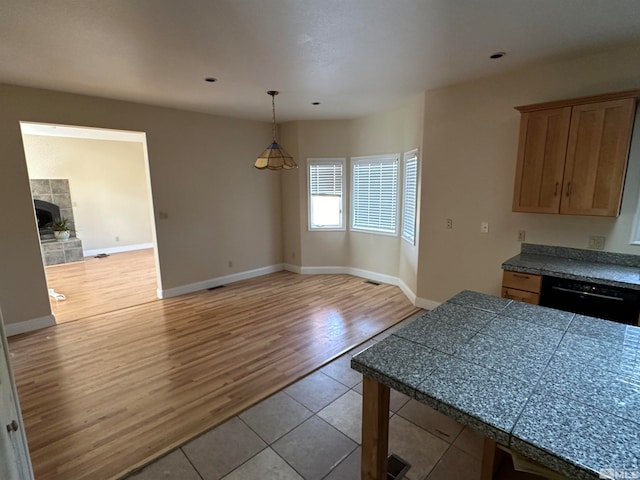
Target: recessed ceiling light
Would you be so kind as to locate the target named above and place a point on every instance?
(315, 103)
(210, 79)
(497, 55)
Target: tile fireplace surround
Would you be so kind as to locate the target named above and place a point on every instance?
(57, 191)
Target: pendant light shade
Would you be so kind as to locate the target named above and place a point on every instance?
(275, 157)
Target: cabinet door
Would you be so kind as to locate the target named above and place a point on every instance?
(597, 154)
(541, 156)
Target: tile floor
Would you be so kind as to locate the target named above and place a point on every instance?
(311, 431)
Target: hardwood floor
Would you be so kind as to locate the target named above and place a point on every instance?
(101, 285)
(116, 390)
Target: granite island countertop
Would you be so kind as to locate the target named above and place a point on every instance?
(606, 268)
(560, 388)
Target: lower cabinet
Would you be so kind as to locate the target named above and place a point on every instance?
(523, 287)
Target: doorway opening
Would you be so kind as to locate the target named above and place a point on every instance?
(97, 181)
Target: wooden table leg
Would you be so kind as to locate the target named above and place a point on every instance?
(492, 458)
(375, 429)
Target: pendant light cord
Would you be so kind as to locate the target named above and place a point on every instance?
(273, 113)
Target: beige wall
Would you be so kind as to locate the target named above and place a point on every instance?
(219, 207)
(108, 184)
(307, 139)
(469, 159)
(394, 131)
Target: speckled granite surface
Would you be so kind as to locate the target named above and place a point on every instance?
(560, 388)
(616, 269)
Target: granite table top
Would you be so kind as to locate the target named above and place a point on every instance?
(560, 388)
(607, 268)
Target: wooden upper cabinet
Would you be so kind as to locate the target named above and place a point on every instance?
(541, 158)
(572, 156)
(597, 155)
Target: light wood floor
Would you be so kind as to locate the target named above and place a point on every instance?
(101, 285)
(113, 391)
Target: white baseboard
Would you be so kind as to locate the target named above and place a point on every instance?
(369, 275)
(356, 272)
(426, 303)
(377, 277)
(324, 270)
(216, 282)
(124, 248)
(29, 325)
(407, 291)
(292, 268)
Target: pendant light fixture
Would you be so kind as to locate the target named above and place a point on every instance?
(275, 157)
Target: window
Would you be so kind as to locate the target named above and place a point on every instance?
(409, 199)
(325, 193)
(635, 228)
(375, 194)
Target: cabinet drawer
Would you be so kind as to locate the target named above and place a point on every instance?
(521, 281)
(521, 295)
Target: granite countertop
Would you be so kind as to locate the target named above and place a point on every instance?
(560, 388)
(607, 268)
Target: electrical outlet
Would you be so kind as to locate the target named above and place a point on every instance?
(596, 242)
(484, 227)
(230, 263)
(449, 223)
(117, 239)
(521, 235)
(163, 215)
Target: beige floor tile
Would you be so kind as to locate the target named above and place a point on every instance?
(345, 414)
(456, 464)
(316, 391)
(431, 420)
(265, 465)
(217, 452)
(348, 469)
(314, 448)
(415, 445)
(470, 441)
(173, 466)
(340, 370)
(275, 416)
(397, 400)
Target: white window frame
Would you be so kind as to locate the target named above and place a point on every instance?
(326, 161)
(635, 229)
(409, 196)
(392, 159)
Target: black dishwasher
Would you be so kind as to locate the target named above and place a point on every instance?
(593, 299)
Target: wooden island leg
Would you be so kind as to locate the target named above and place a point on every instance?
(375, 429)
(492, 458)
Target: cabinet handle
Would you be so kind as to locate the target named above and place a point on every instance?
(12, 427)
(555, 192)
(519, 275)
(569, 185)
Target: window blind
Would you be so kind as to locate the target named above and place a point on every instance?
(326, 178)
(409, 199)
(325, 193)
(375, 194)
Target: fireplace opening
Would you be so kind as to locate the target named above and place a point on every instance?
(46, 212)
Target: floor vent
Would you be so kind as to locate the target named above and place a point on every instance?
(396, 467)
(215, 288)
(371, 282)
(101, 255)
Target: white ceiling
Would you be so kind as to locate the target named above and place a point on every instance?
(354, 56)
